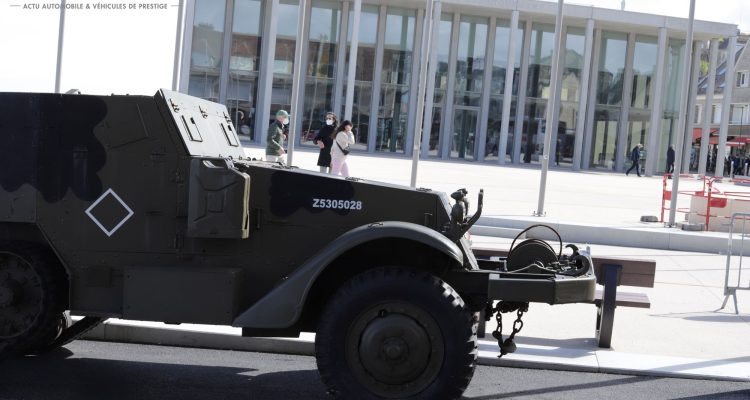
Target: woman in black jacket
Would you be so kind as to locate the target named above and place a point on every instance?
(324, 141)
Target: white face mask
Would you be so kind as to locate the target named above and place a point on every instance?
(329, 122)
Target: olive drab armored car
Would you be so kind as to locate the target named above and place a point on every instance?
(146, 208)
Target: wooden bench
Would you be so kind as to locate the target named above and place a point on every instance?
(611, 272)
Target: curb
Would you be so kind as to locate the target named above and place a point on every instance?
(128, 333)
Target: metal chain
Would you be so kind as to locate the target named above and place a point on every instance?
(518, 323)
(506, 307)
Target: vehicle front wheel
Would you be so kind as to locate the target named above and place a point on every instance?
(396, 333)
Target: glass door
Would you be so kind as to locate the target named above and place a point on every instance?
(464, 132)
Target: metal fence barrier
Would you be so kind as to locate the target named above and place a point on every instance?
(731, 289)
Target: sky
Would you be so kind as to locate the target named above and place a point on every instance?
(132, 50)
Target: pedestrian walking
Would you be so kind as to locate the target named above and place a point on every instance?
(670, 160)
(324, 140)
(340, 149)
(275, 138)
(635, 157)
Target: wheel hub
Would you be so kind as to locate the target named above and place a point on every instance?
(395, 349)
(21, 296)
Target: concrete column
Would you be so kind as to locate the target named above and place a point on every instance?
(521, 98)
(706, 128)
(725, 105)
(338, 90)
(484, 110)
(508, 89)
(376, 80)
(417, 58)
(265, 80)
(177, 46)
(187, 45)
(583, 96)
(225, 50)
(431, 71)
(304, 43)
(654, 126)
(447, 125)
(688, 134)
(350, 82)
(588, 140)
(621, 149)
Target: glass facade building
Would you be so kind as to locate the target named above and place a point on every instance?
(620, 76)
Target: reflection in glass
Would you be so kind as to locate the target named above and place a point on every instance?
(497, 89)
(611, 70)
(206, 51)
(395, 80)
(321, 66)
(365, 69)
(470, 63)
(441, 81)
(670, 117)
(244, 64)
(537, 92)
(283, 65)
(465, 121)
(570, 93)
(644, 65)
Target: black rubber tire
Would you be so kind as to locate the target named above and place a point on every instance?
(53, 281)
(419, 291)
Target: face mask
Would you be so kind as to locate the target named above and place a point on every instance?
(329, 122)
(285, 121)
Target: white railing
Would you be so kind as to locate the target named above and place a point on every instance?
(730, 289)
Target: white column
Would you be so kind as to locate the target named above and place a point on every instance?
(521, 98)
(725, 105)
(424, 50)
(552, 110)
(508, 89)
(177, 47)
(688, 134)
(187, 44)
(418, 59)
(341, 60)
(298, 81)
(350, 82)
(705, 132)
(60, 42)
(431, 71)
(265, 81)
(588, 140)
(447, 125)
(654, 126)
(583, 96)
(484, 110)
(684, 94)
(622, 149)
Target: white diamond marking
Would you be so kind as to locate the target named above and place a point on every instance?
(99, 224)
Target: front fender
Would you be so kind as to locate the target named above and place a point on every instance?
(282, 306)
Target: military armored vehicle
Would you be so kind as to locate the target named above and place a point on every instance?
(146, 208)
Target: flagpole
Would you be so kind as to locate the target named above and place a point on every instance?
(60, 34)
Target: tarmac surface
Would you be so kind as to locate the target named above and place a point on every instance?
(96, 370)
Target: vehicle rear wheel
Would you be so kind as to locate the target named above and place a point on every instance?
(396, 333)
(32, 302)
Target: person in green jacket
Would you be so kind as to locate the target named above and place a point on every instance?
(275, 138)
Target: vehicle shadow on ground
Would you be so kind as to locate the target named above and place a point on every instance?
(58, 376)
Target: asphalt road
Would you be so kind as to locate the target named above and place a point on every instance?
(97, 370)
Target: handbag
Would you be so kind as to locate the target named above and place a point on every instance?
(343, 150)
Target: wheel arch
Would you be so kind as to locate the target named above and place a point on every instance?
(360, 249)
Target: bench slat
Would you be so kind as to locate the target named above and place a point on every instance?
(626, 299)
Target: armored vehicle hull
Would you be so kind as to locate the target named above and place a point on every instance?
(147, 208)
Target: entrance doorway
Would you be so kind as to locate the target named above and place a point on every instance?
(464, 132)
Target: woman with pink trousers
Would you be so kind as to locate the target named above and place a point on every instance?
(342, 139)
